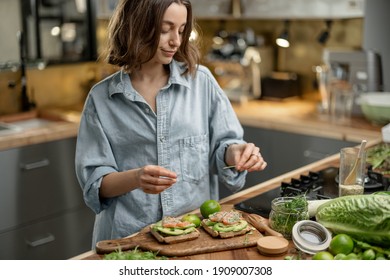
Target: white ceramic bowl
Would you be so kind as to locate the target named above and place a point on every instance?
(386, 133)
(376, 106)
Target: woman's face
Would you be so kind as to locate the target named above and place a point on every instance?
(174, 21)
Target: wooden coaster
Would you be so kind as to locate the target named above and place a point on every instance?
(272, 245)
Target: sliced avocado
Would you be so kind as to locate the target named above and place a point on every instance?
(187, 226)
(174, 231)
(158, 224)
(226, 228)
(189, 230)
(209, 223)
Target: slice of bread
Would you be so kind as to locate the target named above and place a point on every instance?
(171, 239)
(223, 234)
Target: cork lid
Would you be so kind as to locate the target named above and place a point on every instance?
(272, 245)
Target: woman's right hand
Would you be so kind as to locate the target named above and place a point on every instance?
(154, 179)
(151, 179)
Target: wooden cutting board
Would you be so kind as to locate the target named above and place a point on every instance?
(203, 244)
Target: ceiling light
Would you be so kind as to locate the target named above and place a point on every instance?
(283, 39)
(55, 31)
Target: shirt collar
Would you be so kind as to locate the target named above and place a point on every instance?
(176, 76)
(121, 83)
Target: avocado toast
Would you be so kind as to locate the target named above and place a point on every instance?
(174, 230)
(226, 224)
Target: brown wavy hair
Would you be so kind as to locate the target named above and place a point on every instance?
(134, 34)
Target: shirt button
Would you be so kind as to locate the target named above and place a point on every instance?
(162, 139)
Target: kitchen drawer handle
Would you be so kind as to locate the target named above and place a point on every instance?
(34, 165)
(42, 241)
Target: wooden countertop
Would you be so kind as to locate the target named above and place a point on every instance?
(301, 116)
(251, 252)
(64, 124)
(296, 116)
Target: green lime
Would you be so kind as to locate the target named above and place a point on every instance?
(192, 218)
(380, 256)
(341, 243)
(340, 256)
(351, 256)
(209, 207)
(323, 255)
(369, 254)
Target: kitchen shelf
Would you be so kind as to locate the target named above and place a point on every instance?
(278, 9)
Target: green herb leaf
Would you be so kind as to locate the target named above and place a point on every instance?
(134, 254)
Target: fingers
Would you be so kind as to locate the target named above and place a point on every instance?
(259, 165)
(155, 179)
(251, 159)
(246, 151)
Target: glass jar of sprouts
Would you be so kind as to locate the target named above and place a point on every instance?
(286, 211)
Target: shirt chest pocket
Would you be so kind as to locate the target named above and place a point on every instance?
(194, 158)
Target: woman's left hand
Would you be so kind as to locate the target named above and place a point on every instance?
(245, 157)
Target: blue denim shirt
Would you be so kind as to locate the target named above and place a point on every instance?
(188, 134)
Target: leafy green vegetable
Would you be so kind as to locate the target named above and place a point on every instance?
(379, 157)
(363, 217)
(361, 246)
(382, 192)
(134, 254)
(286, 211)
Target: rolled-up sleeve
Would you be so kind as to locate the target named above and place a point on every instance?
(225, 129)
(94, 158)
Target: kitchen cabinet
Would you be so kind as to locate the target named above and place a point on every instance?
(59, 31)
(43, 215)
(214, 9)
(286, 151)
(278, 9)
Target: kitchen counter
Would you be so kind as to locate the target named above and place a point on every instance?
(62, 124)
(297, 116)
(251, 252)
(301, 116)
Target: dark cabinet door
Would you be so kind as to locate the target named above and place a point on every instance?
(38, 181)
(58, 238)
(42, 211)
(285, 151)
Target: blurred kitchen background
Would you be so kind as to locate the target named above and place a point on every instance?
(63, 40)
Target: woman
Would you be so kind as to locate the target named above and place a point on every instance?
(155, 137)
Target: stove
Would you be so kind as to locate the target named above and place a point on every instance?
(315, 185)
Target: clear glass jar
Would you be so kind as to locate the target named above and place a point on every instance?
(285, 212)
